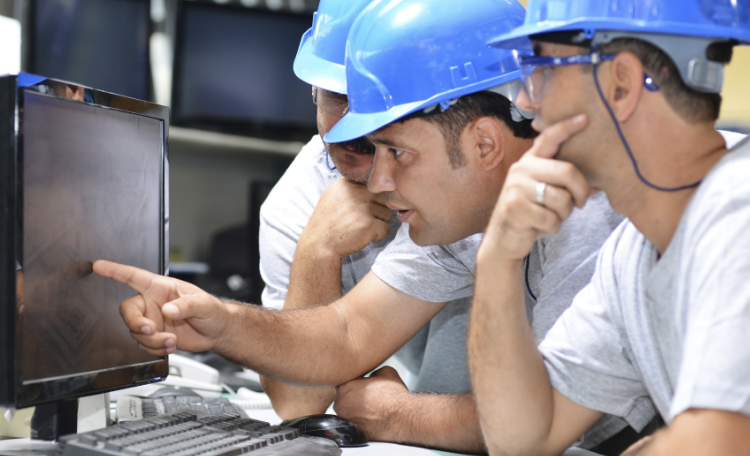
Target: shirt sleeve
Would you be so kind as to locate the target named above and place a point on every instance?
(283, 217)
(715, 369)
(432, 274)
(586, 357)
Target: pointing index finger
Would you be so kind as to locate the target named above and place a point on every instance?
(135, 278)
(548, 143)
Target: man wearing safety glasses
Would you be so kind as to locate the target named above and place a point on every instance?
(626, 96)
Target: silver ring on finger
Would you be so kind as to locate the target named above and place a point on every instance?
(541, 187)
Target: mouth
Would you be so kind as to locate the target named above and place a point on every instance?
(402, 214)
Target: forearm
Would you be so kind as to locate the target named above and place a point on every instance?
(299, 346)
(511, 384)
(315, 279)
(446, 422)
(293, 401)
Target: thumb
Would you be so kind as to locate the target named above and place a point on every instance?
(189, 306)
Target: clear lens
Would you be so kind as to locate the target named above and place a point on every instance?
(331, 102)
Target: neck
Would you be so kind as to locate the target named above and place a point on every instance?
(669, 158)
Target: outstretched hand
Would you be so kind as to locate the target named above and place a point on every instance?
(167, 313)
(519, 218)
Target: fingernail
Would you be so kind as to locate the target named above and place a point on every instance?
(146, 330)
(169, 344)
(172, 310)
(579, 119)
(170, 350)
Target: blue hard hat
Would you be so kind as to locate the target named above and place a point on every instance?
(28, 79)
(321, 55)
(407, 55)
(682, 28)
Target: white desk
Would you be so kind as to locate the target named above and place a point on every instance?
(387, 449)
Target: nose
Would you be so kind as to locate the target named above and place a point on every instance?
(381, 177)
(523, 101)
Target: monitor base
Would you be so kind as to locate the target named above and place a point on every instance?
(54, 420)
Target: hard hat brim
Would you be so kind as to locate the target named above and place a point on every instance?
(355, 125)
(28, 79)
(319, 72)
(518, 38)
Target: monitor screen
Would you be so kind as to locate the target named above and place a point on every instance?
(89, 185)
(233, 72)
(96, 43)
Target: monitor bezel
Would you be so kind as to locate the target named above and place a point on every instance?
(13, 394)
(28, 55)
(284, 131)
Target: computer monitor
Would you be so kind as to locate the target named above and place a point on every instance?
(96, 43)
(83, 178)
(233, 72)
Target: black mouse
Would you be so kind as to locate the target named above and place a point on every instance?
(344, 433)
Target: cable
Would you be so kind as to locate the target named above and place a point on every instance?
(328, 164)
(528, 285)
(627, 146)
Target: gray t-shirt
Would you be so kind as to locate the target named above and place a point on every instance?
(666, 334)
(557, 267)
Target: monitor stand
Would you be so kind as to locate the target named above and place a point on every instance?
(54, 420)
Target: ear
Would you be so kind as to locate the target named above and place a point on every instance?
(487, 142)
(626, 88)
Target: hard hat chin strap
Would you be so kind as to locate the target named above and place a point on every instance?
(625, 142)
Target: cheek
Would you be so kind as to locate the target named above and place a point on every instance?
(326, 121)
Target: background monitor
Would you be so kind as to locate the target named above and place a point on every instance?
(96, 43)
(83, 178)
(233, 72)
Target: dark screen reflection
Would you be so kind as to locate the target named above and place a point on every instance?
(91, 189)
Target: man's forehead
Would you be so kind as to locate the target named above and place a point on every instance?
(547, 49)
(397, 134)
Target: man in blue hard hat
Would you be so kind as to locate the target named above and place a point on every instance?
(626, 95)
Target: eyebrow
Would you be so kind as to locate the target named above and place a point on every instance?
(383, 141)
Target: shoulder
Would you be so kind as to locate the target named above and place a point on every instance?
(725, 189)
(302, 183)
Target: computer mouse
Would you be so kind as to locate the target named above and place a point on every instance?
(332, 427)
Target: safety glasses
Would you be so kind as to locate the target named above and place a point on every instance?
(537, 71)
(330, 102)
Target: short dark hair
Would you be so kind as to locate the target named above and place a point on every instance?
(465, 110)
(691, 105)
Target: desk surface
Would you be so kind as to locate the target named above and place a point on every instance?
(388, 449)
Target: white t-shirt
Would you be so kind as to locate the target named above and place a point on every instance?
(666, 334)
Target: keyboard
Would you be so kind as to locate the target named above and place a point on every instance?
(130, 408)
(192, 433)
